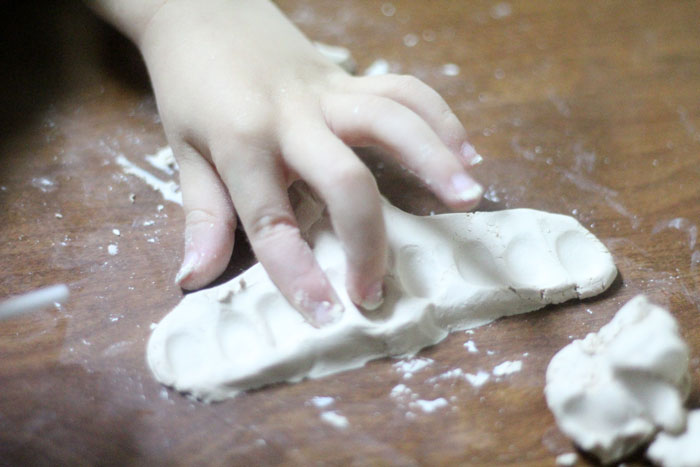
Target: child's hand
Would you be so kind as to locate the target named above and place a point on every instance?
(249, 106)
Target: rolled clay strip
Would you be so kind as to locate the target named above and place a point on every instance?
(447, 272)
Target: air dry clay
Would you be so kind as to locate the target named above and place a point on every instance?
(681, 449)
(446, 272)
(612, 391)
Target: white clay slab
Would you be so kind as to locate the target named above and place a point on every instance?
(613, 390)
(447, 272)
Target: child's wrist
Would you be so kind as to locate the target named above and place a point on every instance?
(131, 17)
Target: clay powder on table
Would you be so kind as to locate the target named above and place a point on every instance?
(446, 272)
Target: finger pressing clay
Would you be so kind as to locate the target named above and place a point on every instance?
(613, 390)
(447, 272)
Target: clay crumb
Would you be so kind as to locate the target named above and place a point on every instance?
(478, 379)
(450, 69)
(408, 367)
(430, 406)
(335, 419)
(508, 367)
(322, 401)
(471, 347)
(567, 460)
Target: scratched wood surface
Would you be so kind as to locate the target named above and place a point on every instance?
(586, 108)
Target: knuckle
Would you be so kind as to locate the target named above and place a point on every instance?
(250, 127)
(412, 86)
(186, 158)
(183, 152)
(340, 80)
(374, 105)
(408, 83)
(199, 216)
(446, 115)
(270, 226)
(239, 156)
(450, 121)
(296, 136)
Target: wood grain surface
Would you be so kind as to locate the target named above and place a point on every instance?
(585, 108)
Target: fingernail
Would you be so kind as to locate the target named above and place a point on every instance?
(374, 296)
(317, 313)
(466, 188)
(470, 155)
(327, 313)
(188, 266)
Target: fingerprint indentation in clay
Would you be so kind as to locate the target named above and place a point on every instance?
(476, 265)
(278, 319)
(392, 293)
(240, 339)
(446, 272)
(185, 354)
(530, 264)
(579, 256)
(416, 269)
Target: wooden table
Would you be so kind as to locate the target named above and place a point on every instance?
(586, 108)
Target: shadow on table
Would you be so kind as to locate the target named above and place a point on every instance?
(62, 416)
(52, 49)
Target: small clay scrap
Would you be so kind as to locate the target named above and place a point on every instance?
(613, 390)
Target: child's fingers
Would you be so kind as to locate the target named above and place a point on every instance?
(362, 120)
(427, 103)
(259, 192)
(210, 221)
(353, 201)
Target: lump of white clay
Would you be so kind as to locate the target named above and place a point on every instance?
(613, 390)
(447, 272)
(682, 450)
(335, 419)
(567, 459)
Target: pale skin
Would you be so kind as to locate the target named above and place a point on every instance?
(249, 106)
